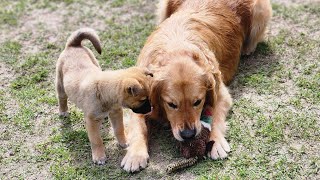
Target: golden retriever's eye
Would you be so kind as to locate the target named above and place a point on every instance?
(173, 105)
(197, 102)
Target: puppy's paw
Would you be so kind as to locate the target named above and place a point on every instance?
(122, 141)
(98, 155)
(99, 160)
(219, 149)
(135, 161)
(64, 114)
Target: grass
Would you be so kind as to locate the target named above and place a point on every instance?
(274, 123)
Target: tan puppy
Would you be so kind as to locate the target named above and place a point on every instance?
(194, 53)
(99, 93)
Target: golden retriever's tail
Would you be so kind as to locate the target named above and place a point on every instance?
(84, 33)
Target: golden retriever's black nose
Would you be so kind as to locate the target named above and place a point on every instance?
(188, 133)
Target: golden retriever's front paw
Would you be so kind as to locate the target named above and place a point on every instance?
(219, 149)
(135, 161)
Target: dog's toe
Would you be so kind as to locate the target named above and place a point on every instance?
(219, 149)
(63, 114)
(100, 161)
(134, 162)
(125, 145)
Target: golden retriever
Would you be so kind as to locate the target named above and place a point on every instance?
(194, 53)
(99, 93)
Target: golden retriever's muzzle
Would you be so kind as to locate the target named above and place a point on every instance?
(144, 108)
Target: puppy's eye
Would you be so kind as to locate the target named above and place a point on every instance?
(143, 100)
(173, 105)
(197, 102)
(149, 74)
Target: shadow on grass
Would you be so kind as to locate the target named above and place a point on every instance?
(79, 164)
(255, 71)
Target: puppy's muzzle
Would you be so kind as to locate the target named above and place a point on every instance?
(144, 108)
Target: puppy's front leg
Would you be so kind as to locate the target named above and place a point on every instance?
(97, 147)
(220, 147)
(137, 153)
(116, 117)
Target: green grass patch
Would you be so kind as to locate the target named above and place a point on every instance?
(119, 3)
(3, 100)
(10, 51)
(295, 12)
(10, 13)
(123, 42)
(264, 48)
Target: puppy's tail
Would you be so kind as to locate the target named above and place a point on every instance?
(84, 33)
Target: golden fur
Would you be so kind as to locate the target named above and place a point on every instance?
(194, 53)
(98, 93)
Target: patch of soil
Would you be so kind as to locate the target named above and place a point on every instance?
(6, 75)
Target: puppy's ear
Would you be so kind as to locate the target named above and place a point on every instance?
(148, 72)
(133, 87)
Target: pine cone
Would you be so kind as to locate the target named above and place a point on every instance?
(196, 146)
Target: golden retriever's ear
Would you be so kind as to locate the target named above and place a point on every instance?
(155, 98)
(212, 80)
(212, 76)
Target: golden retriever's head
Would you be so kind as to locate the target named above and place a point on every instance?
(179, 94)
(136, 90)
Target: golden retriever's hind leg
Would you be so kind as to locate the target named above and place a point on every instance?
(96, 142)
(166, 8)
(162, 10)
(261, 15)
(220, 147)
(116, 117)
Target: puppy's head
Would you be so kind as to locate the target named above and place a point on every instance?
(136, 90)
(179, 95)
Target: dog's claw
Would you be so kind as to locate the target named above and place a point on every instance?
(134, 162)
(100, 161)
(63, 114)
(123, 145)
(219, 149)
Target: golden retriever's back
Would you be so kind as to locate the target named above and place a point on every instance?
(211, 26)
(227, 28)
